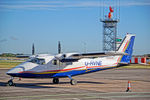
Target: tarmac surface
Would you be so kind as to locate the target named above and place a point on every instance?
(103, 85)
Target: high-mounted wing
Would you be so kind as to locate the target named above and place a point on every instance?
(73, 57)
(88, 55)
(94, 55)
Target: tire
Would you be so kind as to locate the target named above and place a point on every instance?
(73, 82)
(55, 80)
(10, 83)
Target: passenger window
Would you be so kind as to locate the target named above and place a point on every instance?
(59, 63)
(54, 62)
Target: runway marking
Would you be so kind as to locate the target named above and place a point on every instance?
(89, 95)
(101, 97)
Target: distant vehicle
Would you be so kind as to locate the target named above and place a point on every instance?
(72, 64)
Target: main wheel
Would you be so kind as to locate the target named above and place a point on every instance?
(55, 80)
(73, 82)
(10, 83)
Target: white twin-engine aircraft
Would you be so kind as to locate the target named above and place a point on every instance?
(72, 64)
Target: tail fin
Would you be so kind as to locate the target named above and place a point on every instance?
(127, 47)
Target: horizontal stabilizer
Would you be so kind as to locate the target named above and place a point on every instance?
(113, 53)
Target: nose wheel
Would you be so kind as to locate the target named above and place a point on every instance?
(10, 82)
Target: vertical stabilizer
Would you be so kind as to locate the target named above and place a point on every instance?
(127, 47)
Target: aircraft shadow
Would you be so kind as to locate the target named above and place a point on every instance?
(3, 84)
(29, 85)
(90, 82)
(45, 85)
(34, 85)
(78, 82)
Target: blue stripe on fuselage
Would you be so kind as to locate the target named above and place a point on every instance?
(62, 74)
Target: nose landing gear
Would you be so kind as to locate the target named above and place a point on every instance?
(10, 82)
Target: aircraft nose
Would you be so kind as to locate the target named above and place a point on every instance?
(17, 69)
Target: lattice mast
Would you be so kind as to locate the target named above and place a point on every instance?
(110, 29)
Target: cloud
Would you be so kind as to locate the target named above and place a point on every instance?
(51, 5)
(13, 38)
(3, 40)
(135, 3)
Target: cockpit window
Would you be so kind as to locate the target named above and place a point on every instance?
(38, 61)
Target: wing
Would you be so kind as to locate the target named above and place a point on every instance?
(72, 57)
(88, 55)
(94, 55)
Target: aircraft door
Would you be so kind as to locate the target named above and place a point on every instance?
(58, 63)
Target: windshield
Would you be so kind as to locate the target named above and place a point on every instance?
(37, 61)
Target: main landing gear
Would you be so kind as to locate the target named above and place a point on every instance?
(10, 82)
(72, 81)
(55, 80)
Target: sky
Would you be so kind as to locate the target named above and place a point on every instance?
(75, 23)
